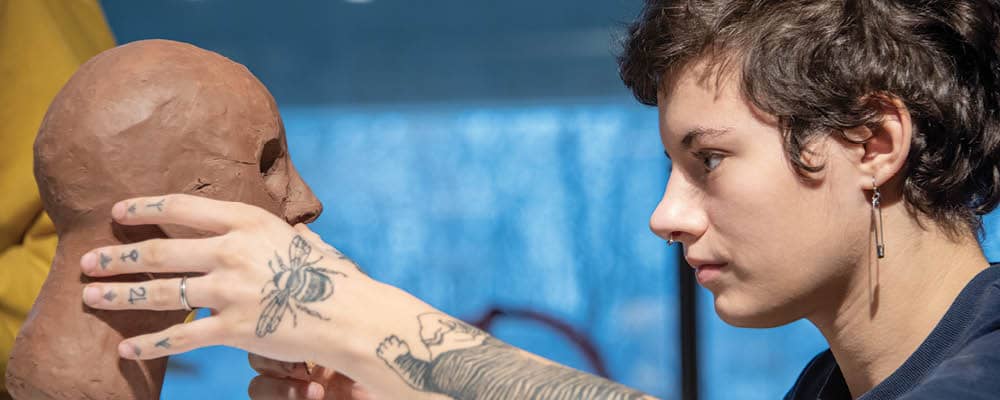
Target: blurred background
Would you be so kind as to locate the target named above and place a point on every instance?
(484, 156)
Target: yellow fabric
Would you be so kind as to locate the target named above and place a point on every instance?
(42, 42)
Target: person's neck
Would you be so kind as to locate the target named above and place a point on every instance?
(892, 304)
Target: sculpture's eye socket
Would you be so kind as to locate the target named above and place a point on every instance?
(269, 157)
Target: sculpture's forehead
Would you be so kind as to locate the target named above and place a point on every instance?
(161, 55)
(157, 117)
(168, 91)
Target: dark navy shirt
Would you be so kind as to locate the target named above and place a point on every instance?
(960, 359)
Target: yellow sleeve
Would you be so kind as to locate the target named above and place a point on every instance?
(22, 270)
(42, 42)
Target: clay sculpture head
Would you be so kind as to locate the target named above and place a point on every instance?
(146, 118)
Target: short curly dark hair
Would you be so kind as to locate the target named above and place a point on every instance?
(824, 66)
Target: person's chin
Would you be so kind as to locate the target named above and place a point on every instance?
(742, 312)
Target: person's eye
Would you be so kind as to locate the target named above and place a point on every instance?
(710, 160)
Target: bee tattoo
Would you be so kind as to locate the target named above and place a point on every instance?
(294, 285)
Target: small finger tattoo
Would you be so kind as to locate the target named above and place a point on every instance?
(138, 351)
(158, 205)
(133, 255)
(105, 259)
(131, 209)
(165, 343)
(136, 294)
(110, 296)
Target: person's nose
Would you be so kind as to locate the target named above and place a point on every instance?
(302, 206)
(680, 216)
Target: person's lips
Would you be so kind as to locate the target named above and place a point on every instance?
(707, 270)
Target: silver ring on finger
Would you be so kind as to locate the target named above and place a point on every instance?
(184, 300)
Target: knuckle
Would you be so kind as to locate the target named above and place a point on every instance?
(210, 333)
(202, 292)
(223, 296)
(181, 339)
(153, 253)
(231, 258)
(255, 218)
(229, 251)
(176, 200)
(163, 296)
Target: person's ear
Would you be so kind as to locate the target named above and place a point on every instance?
(885, 142)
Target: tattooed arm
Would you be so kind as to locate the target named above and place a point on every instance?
(433, 355)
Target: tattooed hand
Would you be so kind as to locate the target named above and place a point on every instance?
(271, 287)
(282, 293)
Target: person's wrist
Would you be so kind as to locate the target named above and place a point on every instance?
(372, 310)
(390, 312)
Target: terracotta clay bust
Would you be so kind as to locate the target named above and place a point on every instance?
(146, 118)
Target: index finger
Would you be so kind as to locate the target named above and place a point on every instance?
(196, 212)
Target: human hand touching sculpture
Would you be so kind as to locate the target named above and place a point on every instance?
(290, 297)
(144, 118)
(263, 280)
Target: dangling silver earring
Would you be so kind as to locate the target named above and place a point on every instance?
(877, 208)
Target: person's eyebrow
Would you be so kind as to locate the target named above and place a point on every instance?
(698, 133)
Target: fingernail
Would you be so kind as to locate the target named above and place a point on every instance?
(118, 211)
(314, 391)
(91, 295)
(89, 262)
(125, 350)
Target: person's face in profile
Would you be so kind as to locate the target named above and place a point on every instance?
(769, 244)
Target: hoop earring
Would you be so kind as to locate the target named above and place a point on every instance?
(879, 232)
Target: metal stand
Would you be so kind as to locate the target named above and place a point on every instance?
(688, 290)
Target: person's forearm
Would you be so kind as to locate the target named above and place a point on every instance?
(419, 352)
